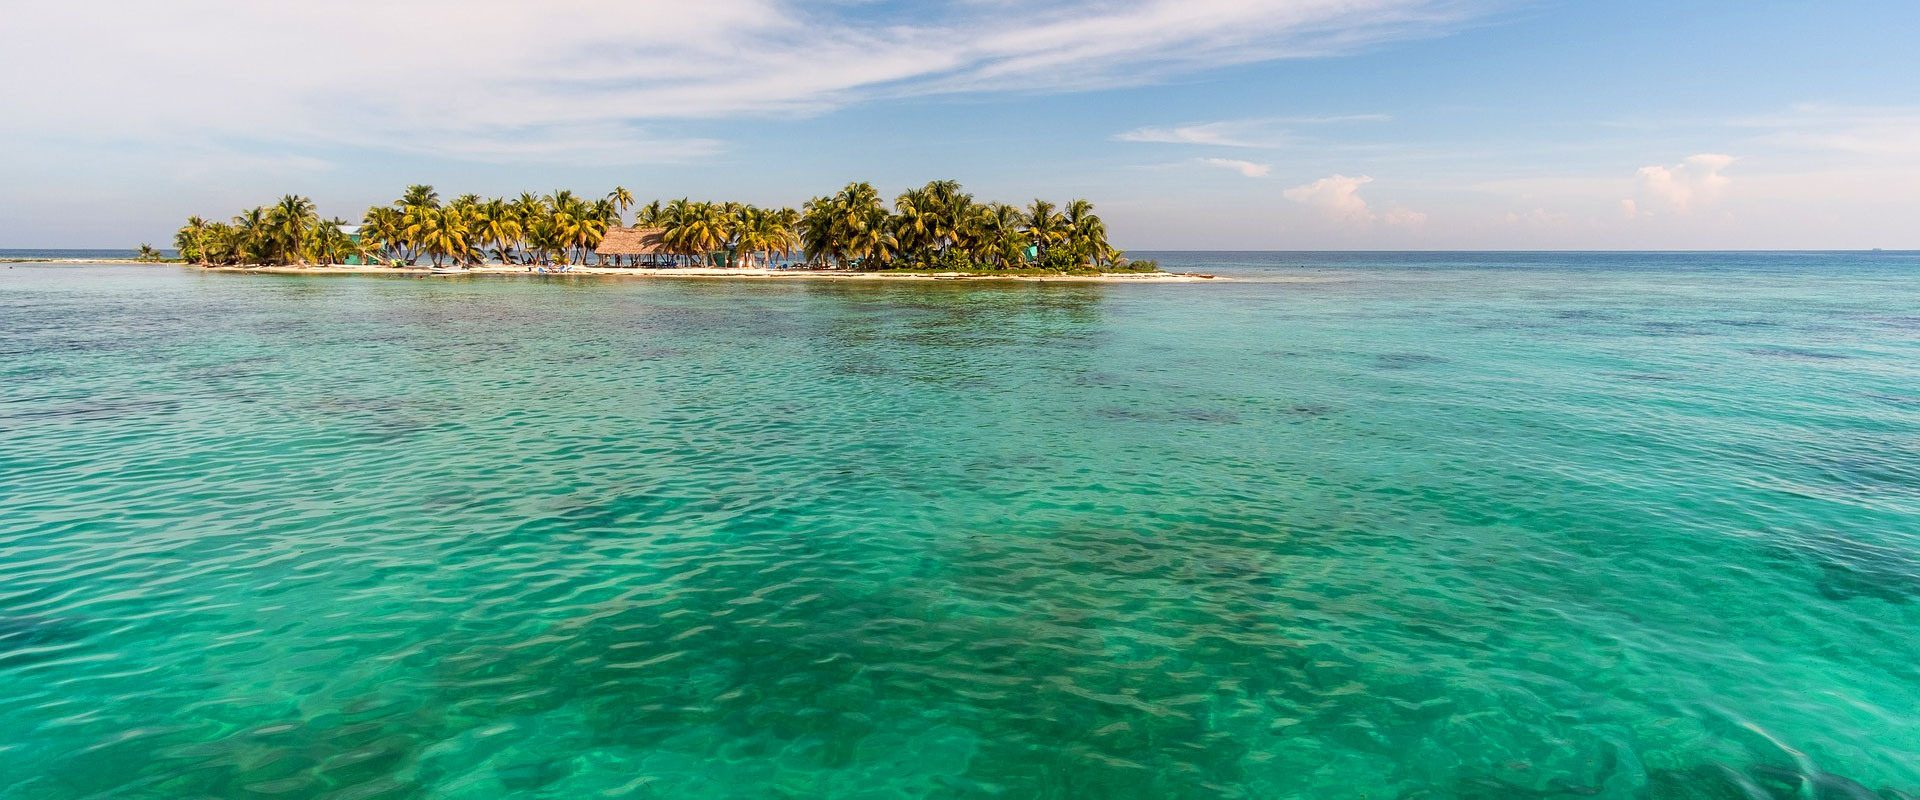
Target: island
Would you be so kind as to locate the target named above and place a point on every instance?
(935, 232)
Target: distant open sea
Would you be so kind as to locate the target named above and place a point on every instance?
(1382, 525)
(64, 255)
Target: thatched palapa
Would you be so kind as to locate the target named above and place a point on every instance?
(634, 242)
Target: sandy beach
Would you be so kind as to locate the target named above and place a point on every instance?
(737, 273)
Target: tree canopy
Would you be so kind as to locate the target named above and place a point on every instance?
(938, 226)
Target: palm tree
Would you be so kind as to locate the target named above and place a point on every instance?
(622, 200)
(938, 224)
(816, 231)
(418, 195)
(993, 235)
(784, 233)
(597, 217)
(292, 219)
(669, 218)
(147, 253)
(649, 215)
(331, 245)
(529, 205)
(543, 237)
(383, 232)
(527, 208)
(417, 207)
(712, 229)
(863, 223)
(221, 244)
(253, 235)
(948, 207)
(414, 223)
(1087, 234)
(1045, 226)
(441, 233)
(496, 221)
(918, 221)
(851, 226)
(696, 229)
(763, 232)
(191, 240)
(563, 217)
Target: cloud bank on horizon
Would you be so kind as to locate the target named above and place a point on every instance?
(1229, 123)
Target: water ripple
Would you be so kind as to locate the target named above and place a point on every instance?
(1589, 533)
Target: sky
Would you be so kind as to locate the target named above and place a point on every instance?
(1191, 124)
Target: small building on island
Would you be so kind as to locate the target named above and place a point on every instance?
(635, 244)
(353, 235)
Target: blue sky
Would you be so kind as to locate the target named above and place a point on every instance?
(1229, 124)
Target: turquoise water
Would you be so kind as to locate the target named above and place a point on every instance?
(1355, 525)
(71, 254)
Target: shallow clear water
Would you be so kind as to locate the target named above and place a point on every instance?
(1418, 526)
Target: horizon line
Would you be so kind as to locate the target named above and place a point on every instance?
(1896, 251)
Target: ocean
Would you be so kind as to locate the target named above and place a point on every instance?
(78, 254)
(1385, 525)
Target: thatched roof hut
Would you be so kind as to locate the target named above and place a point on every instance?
(634, 242)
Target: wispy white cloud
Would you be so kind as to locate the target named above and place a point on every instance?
(470, 78)
(233, 164)
(1337, 195)
(1538, 218)
(1335, 118)
(1255, 133)
(1876, 131)
(1216, 134)
(1693, 183)
(1405, 217)
(1247, 168)
(580, 144)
